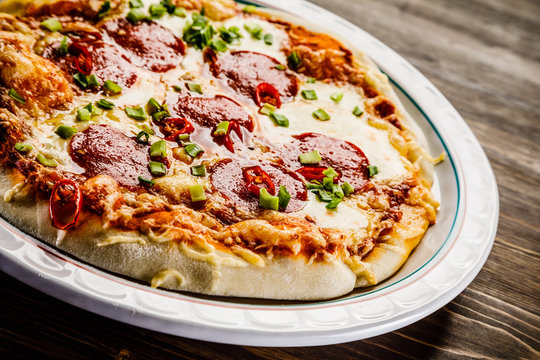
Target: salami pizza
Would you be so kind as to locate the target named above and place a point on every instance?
(207, 146)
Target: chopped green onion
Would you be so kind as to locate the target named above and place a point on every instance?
(92, 81)
(222, 128)
(81, 80)
(104, 104)
(136, 113)
(231, 35)
(147, 129)
(199, 170)
(51, 24)
(83, 114)
(311, 80)
(347, 188)
(93, 109)
(266, 109)
(329, 172)
(321, 115)
(112, 87)
(46, 162)
(166, 109)
(293, 60)
(333, 203)
(249, 9)
(373, 170)
(65, 132)
(280, 67)
(134, 16)
(193, 149)
(309, 94)
(268, 201)
(219, 45)
(104, 9)
(15, 96)
(148, 182)
(157, 10)
(312, 186)
(63, 48)
(325, 196)
(328, 183)
(195, 88)
(312, 157)
(254, 29)
(284, 197)
(336, 96)
(160, 115)
(180, 12)
(197, 193)
(23, 148)
(157, 168)
(159, 149)
(280, 120)
(198, 32)
(153, 106)
(357, 111)
(183, 137)
(143, 134)
(268, 39)
(337, 190)
(177, 88)
(135, 4)
(168, 5)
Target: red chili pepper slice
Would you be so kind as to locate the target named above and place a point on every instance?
(172, 124)
(233, 126)
(315, 173)
(65, 204)
(255, 176)
(267, 93)
(83, 61)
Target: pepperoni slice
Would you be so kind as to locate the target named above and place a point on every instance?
(345, 157)
(245, 70)
(104, 150)
(108, 63)
(153, 46)
(208, 112)
(228, 179)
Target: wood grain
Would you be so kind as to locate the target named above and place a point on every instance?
(484, 55)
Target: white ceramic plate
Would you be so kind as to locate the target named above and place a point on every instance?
(446, 261)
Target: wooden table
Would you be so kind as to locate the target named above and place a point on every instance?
(484, 55)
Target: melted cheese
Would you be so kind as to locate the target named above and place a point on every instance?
(347, 216)
(343, 124)
(166, 274)
(10, 193)
(211, 257)
(248, 42)
(121, 240)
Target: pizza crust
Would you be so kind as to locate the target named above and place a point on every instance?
(213, 273)
(216, 273)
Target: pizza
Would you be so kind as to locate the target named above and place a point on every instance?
(207, 146)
